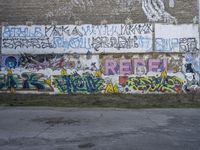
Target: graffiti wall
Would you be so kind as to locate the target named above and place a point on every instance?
(155, 11)
(52, 62)
(145, 73)
(90, 59)
(141, 64)
(48, 73)
(77, 39)
(191, 72)
(107, 73)
(177, 38)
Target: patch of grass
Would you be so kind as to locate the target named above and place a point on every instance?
(99, 100)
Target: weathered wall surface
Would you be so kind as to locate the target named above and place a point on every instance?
(77, 39)
(97, 11)
(106, 64)
(95, 39)
(180, 38)
(108, 73)
(99, 49)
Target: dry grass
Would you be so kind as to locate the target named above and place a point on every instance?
(99, 100)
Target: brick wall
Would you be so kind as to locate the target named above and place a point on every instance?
(88, 11)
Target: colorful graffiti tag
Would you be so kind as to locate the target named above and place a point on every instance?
(153, 84)
(111, 89)
(24, 82)
(50, 61)
(152, 74)
(126, 66)
(72, 84)
(191, 73)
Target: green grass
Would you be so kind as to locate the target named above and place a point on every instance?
(104, 101)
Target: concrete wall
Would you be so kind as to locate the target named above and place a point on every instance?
(95, 39)
(108, 73)
(77, 39)
(114, 58)
(99, 49)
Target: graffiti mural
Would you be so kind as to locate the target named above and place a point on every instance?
(76, 83)
(183, 44)
(9, 62)
(154, 84)
(24, 82)
(155, 11)
(108, 73)
(141, 64)
(111, 38)
(107, 59)
(9, 82)
(125, 67)
(191, 72)
(111, 89)
(76, 39)
(176, 38)
(50, 61)
(41, 61)
(196, 62)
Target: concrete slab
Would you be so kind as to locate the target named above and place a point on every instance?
(33, 128)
